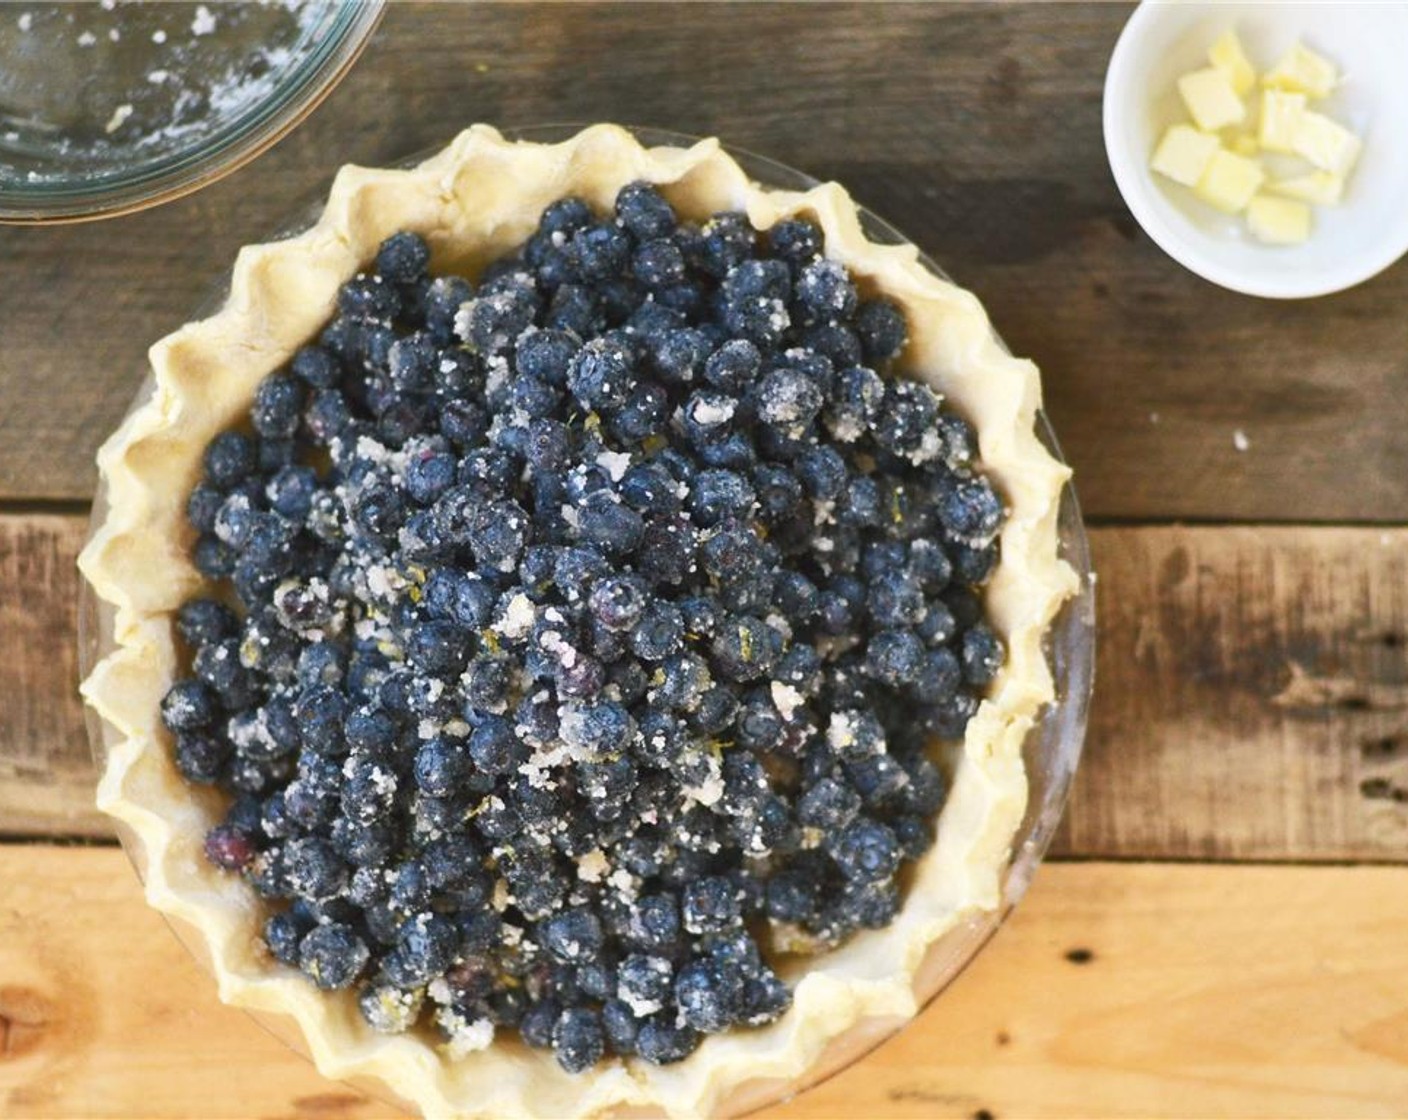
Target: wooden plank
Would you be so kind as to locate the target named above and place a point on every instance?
(1252, 694)
(976, 128)
(46, 770)
(1116, 990)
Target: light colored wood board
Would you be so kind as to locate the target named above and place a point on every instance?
(1209, 991)
(1251, 696)
(46, 771)
(974, 128)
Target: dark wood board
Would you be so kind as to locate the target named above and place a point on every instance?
(1252, 697)
(975, 128)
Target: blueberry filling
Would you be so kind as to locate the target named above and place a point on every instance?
(583, 633)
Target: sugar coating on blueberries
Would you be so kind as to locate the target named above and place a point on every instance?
(578, 633)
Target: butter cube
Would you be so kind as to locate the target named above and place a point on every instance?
(1246, 146)
(1183, 154)
(1230, 181)
(1211, 100)
(1227, 55)
(1278, 221)
(1324, 188)
(1303, 71)
(1281, 114)
(1328, 145)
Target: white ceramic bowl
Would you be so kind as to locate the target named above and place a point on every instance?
(1365, 234)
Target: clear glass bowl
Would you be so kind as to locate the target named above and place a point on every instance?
(1051, 751)
(113, 107)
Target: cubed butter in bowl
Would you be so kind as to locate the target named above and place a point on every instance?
(1261, 145)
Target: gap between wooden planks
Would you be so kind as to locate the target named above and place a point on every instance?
(1251, 693)
(1204, 991)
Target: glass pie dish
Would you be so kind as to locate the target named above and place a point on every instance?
(1050, 751)
(113, 107)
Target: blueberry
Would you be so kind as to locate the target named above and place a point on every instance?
(725, 240)
(314, 869)
(389, 1009)
(882, 330)
(825, 291)
(788, 400)
(278, 403)
(566, 215)
(643, 211)
(428, 944)
(437, 647)
(228, 459)
(707, 1000)
(621, 1026)
(678, 356)
(203, 505)
(939, 676)
(744, 649)
(894, 657)
(599, 251)
(290, 492)
(332, 956)
(654, 922)
(644, 414)
(573, 308)
(368, 297)
(659, 633)
(492, 322)
(895, 599)
(316, 367)
(203, 621)
(765, 999)
(982, 655)
(572, 936)
(539, 1022)
(856, 403)
(972, 563)
(759, 724)
(660, 1042)
(441, 302)
(601, 375)
(795, 239)
(283, 933)
(188, 705)
(618, 601)
(403, 258)
(828, 805)
(658, 264)
(906, 419)
(428, 475)
(494, 747)
(823, 472)
(971, 510)
(866, 850)
(546, 355)
(578, 1039)
(601, 727)
(761, 320)
(327, 416)
(606, 522)
(497, 533)
(709, 905)
(200, 757)
(441, 767)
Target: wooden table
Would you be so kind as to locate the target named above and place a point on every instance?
(1219, 933)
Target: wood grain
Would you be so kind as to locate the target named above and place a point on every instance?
(1116, 990)
(46, 771)
(975, 128)
(1251, 701)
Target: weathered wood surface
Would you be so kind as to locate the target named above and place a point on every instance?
(46, 771)
(975, 128)
(1116, 990)
(1252, 698)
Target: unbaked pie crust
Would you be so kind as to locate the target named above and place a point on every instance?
(474, 201)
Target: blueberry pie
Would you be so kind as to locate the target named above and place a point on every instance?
(577, 615)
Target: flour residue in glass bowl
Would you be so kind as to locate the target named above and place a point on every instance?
(90, 91)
